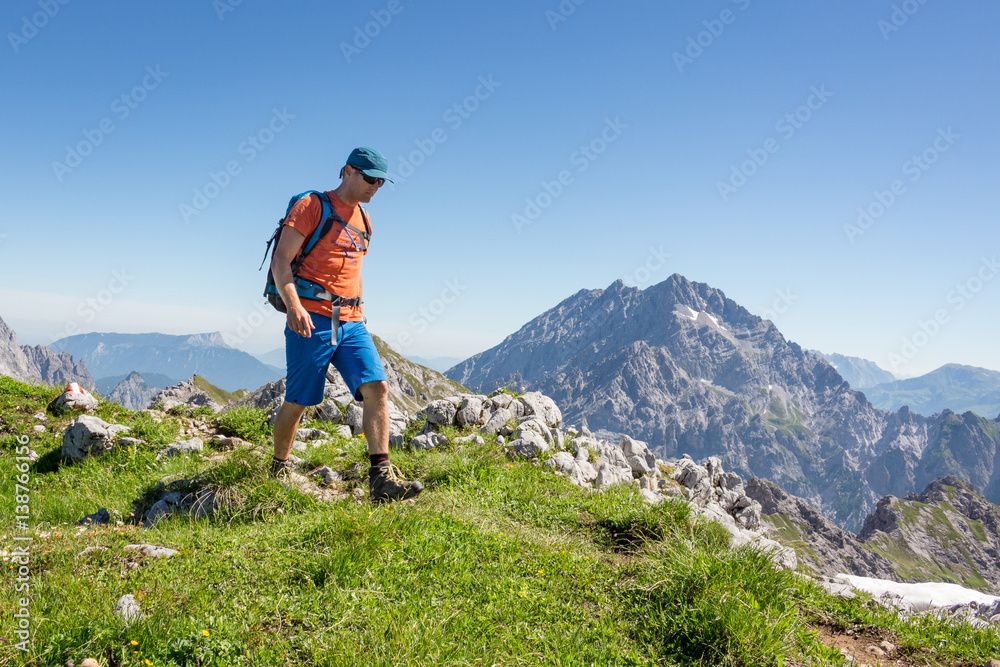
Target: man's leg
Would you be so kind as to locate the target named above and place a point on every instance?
(285, 426)
(375, 420)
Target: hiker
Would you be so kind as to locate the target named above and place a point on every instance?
(325, 321)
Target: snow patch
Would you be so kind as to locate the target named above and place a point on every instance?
(921, 596)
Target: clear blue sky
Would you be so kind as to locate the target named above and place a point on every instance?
(832, 100)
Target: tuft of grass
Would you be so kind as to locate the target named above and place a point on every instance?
(246, 422)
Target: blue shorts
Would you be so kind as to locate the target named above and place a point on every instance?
(353, 354)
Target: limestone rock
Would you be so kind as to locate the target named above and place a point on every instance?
(88, 436)
(128, 609)
(74, 399)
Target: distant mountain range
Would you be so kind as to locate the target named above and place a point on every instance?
(952, 387)
(690, 371)
(859, 373)
(112, 355)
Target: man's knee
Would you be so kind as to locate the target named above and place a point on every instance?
(374, 391)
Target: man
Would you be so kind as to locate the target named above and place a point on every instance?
(332, 328)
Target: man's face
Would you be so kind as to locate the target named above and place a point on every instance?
(360, 187)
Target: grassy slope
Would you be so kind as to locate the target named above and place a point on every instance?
(220, 396)
(499, 562)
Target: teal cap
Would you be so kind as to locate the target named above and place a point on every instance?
(370, 162)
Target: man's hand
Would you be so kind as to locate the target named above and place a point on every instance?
(299, 321)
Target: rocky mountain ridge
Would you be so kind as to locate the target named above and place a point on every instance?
(947, 532)
(38, 363)
(689, 370)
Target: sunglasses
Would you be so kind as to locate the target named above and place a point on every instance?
(370, 180)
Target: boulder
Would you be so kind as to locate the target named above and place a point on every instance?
(470, 411)
(89, 436)
(529, 444)
(74, 399)
(354, 418)
(538, 404)
(181, 448)
(440, 412)
(497, 421)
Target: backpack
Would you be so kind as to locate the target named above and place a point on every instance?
(307, 289)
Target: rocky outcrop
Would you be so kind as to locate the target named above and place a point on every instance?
(411, 386)
(186, 393)
(38, 363)
(686, 369)
(946, 533)
(821, 546)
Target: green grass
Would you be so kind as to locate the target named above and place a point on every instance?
(499, 562)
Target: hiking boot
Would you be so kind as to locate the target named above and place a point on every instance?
(282, 470)
(386, 483)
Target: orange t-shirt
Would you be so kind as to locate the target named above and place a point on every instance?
(335, 262)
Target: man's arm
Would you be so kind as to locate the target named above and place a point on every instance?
(289, 245)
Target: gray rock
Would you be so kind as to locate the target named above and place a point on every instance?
(181, 448)
(99, 518)
(38, 428)
(543, 407)
(327, 474)
(151, 550)
(529, 444)
(501, 400)
(128, 609)
(497, 421)
(470, 411)
(343, 431)
(639, 458)
(440, 412)
(354, 418)
(75, 399)
(535, 425)
(86, 436)
(474, 438)
(89, 551)
(311, 434)
(609, 474)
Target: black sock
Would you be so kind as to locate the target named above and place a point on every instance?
(275, 459)
(378, 458)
